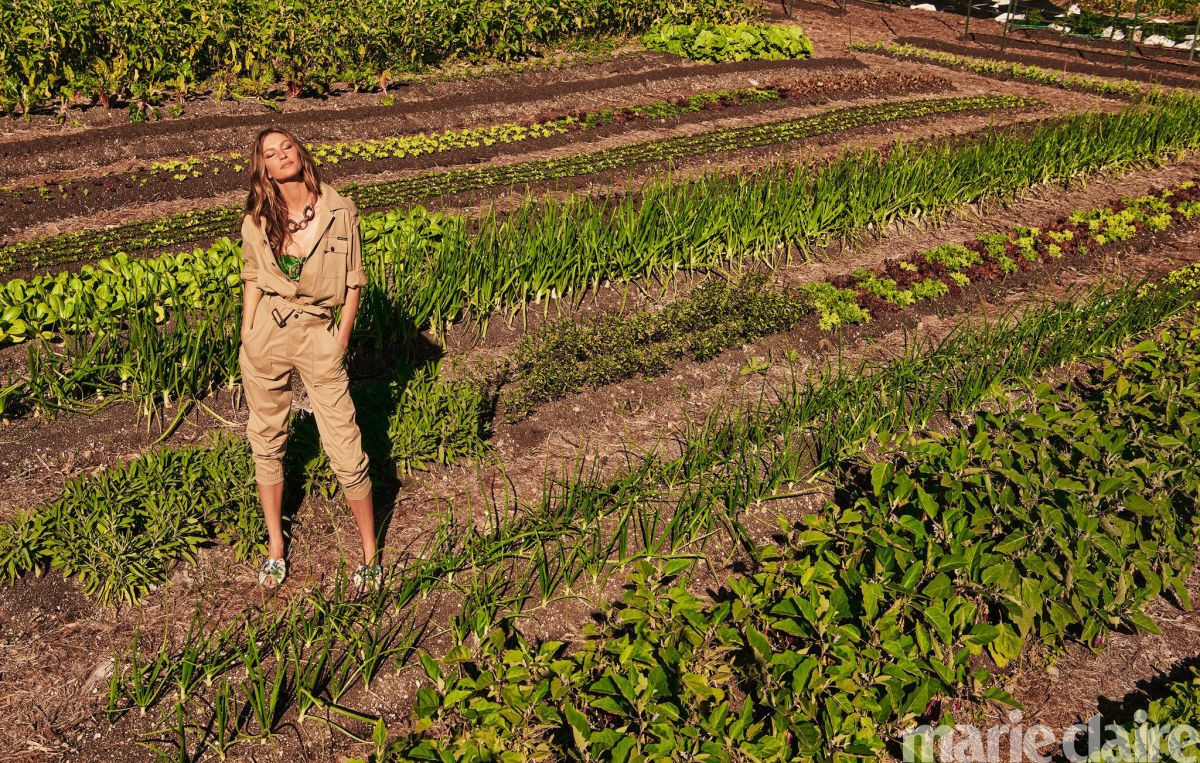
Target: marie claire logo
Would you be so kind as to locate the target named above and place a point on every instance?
(1143, 742)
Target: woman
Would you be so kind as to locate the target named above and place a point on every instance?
(301, 258)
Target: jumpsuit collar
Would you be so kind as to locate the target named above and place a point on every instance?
(327, 202)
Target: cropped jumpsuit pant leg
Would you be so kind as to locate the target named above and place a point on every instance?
(307, 344)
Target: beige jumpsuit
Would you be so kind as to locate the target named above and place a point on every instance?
(305, 341)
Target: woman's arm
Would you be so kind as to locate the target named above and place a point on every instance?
(349, 313)
(251, 294)
(250, 300)
(356, 279)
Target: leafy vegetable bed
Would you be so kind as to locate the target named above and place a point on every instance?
(1053, 521)
(702, 41)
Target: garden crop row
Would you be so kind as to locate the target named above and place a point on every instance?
(56, 52)
(585, 526)
(680, 147)
(1053, 521)
(565, 357)
(1006, 69)
(234, 164)
(196, 226)
(174, 230)
(37, 317)
(426, 270)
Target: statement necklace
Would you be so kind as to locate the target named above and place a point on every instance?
(309, 213)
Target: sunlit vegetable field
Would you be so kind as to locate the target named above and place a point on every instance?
(739, 382)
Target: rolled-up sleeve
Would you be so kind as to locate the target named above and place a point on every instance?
(356, 276)
(249, 258)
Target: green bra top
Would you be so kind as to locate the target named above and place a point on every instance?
(291, 266)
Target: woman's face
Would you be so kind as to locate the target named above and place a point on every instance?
(281, 157)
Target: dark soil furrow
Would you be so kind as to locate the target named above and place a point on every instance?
(1050, 60)
(1137, 51)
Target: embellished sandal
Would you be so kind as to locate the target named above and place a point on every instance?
(368, 576)
(272, 573)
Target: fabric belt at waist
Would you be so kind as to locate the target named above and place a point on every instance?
(281, 310)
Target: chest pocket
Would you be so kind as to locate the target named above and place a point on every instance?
(334, 252)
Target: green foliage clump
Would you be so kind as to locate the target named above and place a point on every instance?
(409, 422)
(953, 256)
(835, 307)
(883, 288)
(119, 532)
(1026, 241)
(1143, 740)
(930, 288)
(701, 41)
